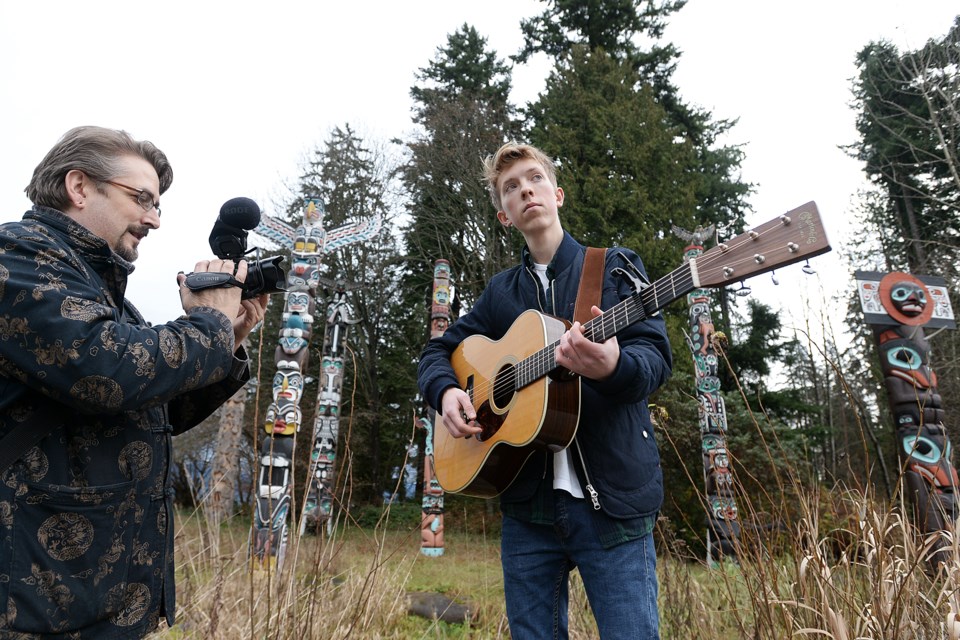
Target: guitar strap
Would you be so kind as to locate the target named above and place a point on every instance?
(591, 284)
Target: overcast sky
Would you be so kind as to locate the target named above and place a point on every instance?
(238, 93)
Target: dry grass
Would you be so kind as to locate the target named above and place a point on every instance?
(845, 565)
(874, 581)
(871, 579)
(351, 584)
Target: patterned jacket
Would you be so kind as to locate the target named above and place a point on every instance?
(86, 542)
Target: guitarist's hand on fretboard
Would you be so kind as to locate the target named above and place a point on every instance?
(458, 414)
(579, 354)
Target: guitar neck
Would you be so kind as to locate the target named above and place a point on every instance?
(791, 237)
(628, 311)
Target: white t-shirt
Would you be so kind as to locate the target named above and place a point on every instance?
(564, 474)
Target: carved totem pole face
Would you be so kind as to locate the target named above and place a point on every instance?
(906, 299)
(299, 302)
(911, 384)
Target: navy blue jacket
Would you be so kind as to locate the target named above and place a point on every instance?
(615, 435)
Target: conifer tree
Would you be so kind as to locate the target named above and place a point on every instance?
(463, 113)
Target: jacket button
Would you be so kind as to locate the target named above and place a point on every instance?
(645, 433)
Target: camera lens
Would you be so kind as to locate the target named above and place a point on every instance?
(264, 276)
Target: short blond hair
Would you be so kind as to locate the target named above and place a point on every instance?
(494, 166)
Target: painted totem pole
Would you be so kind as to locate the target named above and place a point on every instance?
(307, 243)
(898, 306)
(431, 525)
(723, 526)
(318, 505)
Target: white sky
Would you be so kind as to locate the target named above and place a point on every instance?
(238, 93)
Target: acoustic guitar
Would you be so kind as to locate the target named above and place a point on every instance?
(525, 402)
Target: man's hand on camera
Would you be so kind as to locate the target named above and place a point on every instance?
(251, 313)
(225, 299)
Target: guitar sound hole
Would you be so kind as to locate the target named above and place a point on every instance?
(504, 386)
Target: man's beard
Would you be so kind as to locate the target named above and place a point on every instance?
(127, 253)
(130, 254)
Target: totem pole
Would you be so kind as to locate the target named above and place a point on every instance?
(431, 525)
(318, 505)
(282, 421)
(898, 306)
(723, 526)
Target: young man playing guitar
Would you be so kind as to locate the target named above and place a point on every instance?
(593, 504)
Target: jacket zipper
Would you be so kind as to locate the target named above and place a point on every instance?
(538, 287)
(594, 496)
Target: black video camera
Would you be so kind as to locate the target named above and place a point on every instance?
(229, 242)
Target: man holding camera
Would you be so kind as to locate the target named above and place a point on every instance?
(90, 394)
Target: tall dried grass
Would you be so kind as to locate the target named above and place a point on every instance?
(877, 579)
(845, 564)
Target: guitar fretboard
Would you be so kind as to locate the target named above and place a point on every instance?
(789, 238)
(631, 310)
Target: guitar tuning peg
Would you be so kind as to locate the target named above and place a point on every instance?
(774, 278)
(807, 269)
(744, 290)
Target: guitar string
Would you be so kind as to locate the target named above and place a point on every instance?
(541, 362)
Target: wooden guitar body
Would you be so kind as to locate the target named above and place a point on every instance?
(542, 415)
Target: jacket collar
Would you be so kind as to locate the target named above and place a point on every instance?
(92, 247)
(564, 258)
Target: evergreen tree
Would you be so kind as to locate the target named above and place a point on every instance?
(755, 346)
(463, 112)
(908, 120)
(610, 25)
(615, 27)
(628, 174)
(909, 123)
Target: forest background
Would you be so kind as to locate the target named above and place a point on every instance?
(635, 160)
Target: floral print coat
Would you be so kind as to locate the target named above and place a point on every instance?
(86, 542)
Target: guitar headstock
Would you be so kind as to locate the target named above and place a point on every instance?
(791, 237)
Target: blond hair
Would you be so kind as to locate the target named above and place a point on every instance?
(494, 166)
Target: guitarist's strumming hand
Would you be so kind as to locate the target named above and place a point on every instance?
(459, 416)
(594, 360)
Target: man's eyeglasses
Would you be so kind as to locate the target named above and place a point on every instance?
(144, 198)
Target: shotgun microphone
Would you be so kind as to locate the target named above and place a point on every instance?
(228, 240)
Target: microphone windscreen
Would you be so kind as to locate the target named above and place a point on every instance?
(240, 212)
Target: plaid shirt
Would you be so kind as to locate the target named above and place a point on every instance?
(612, 531)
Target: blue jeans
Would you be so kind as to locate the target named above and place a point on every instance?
(621, 583)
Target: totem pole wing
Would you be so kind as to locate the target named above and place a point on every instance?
(276, 230)
(350, 233)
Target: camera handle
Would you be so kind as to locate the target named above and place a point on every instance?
(210, 280)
